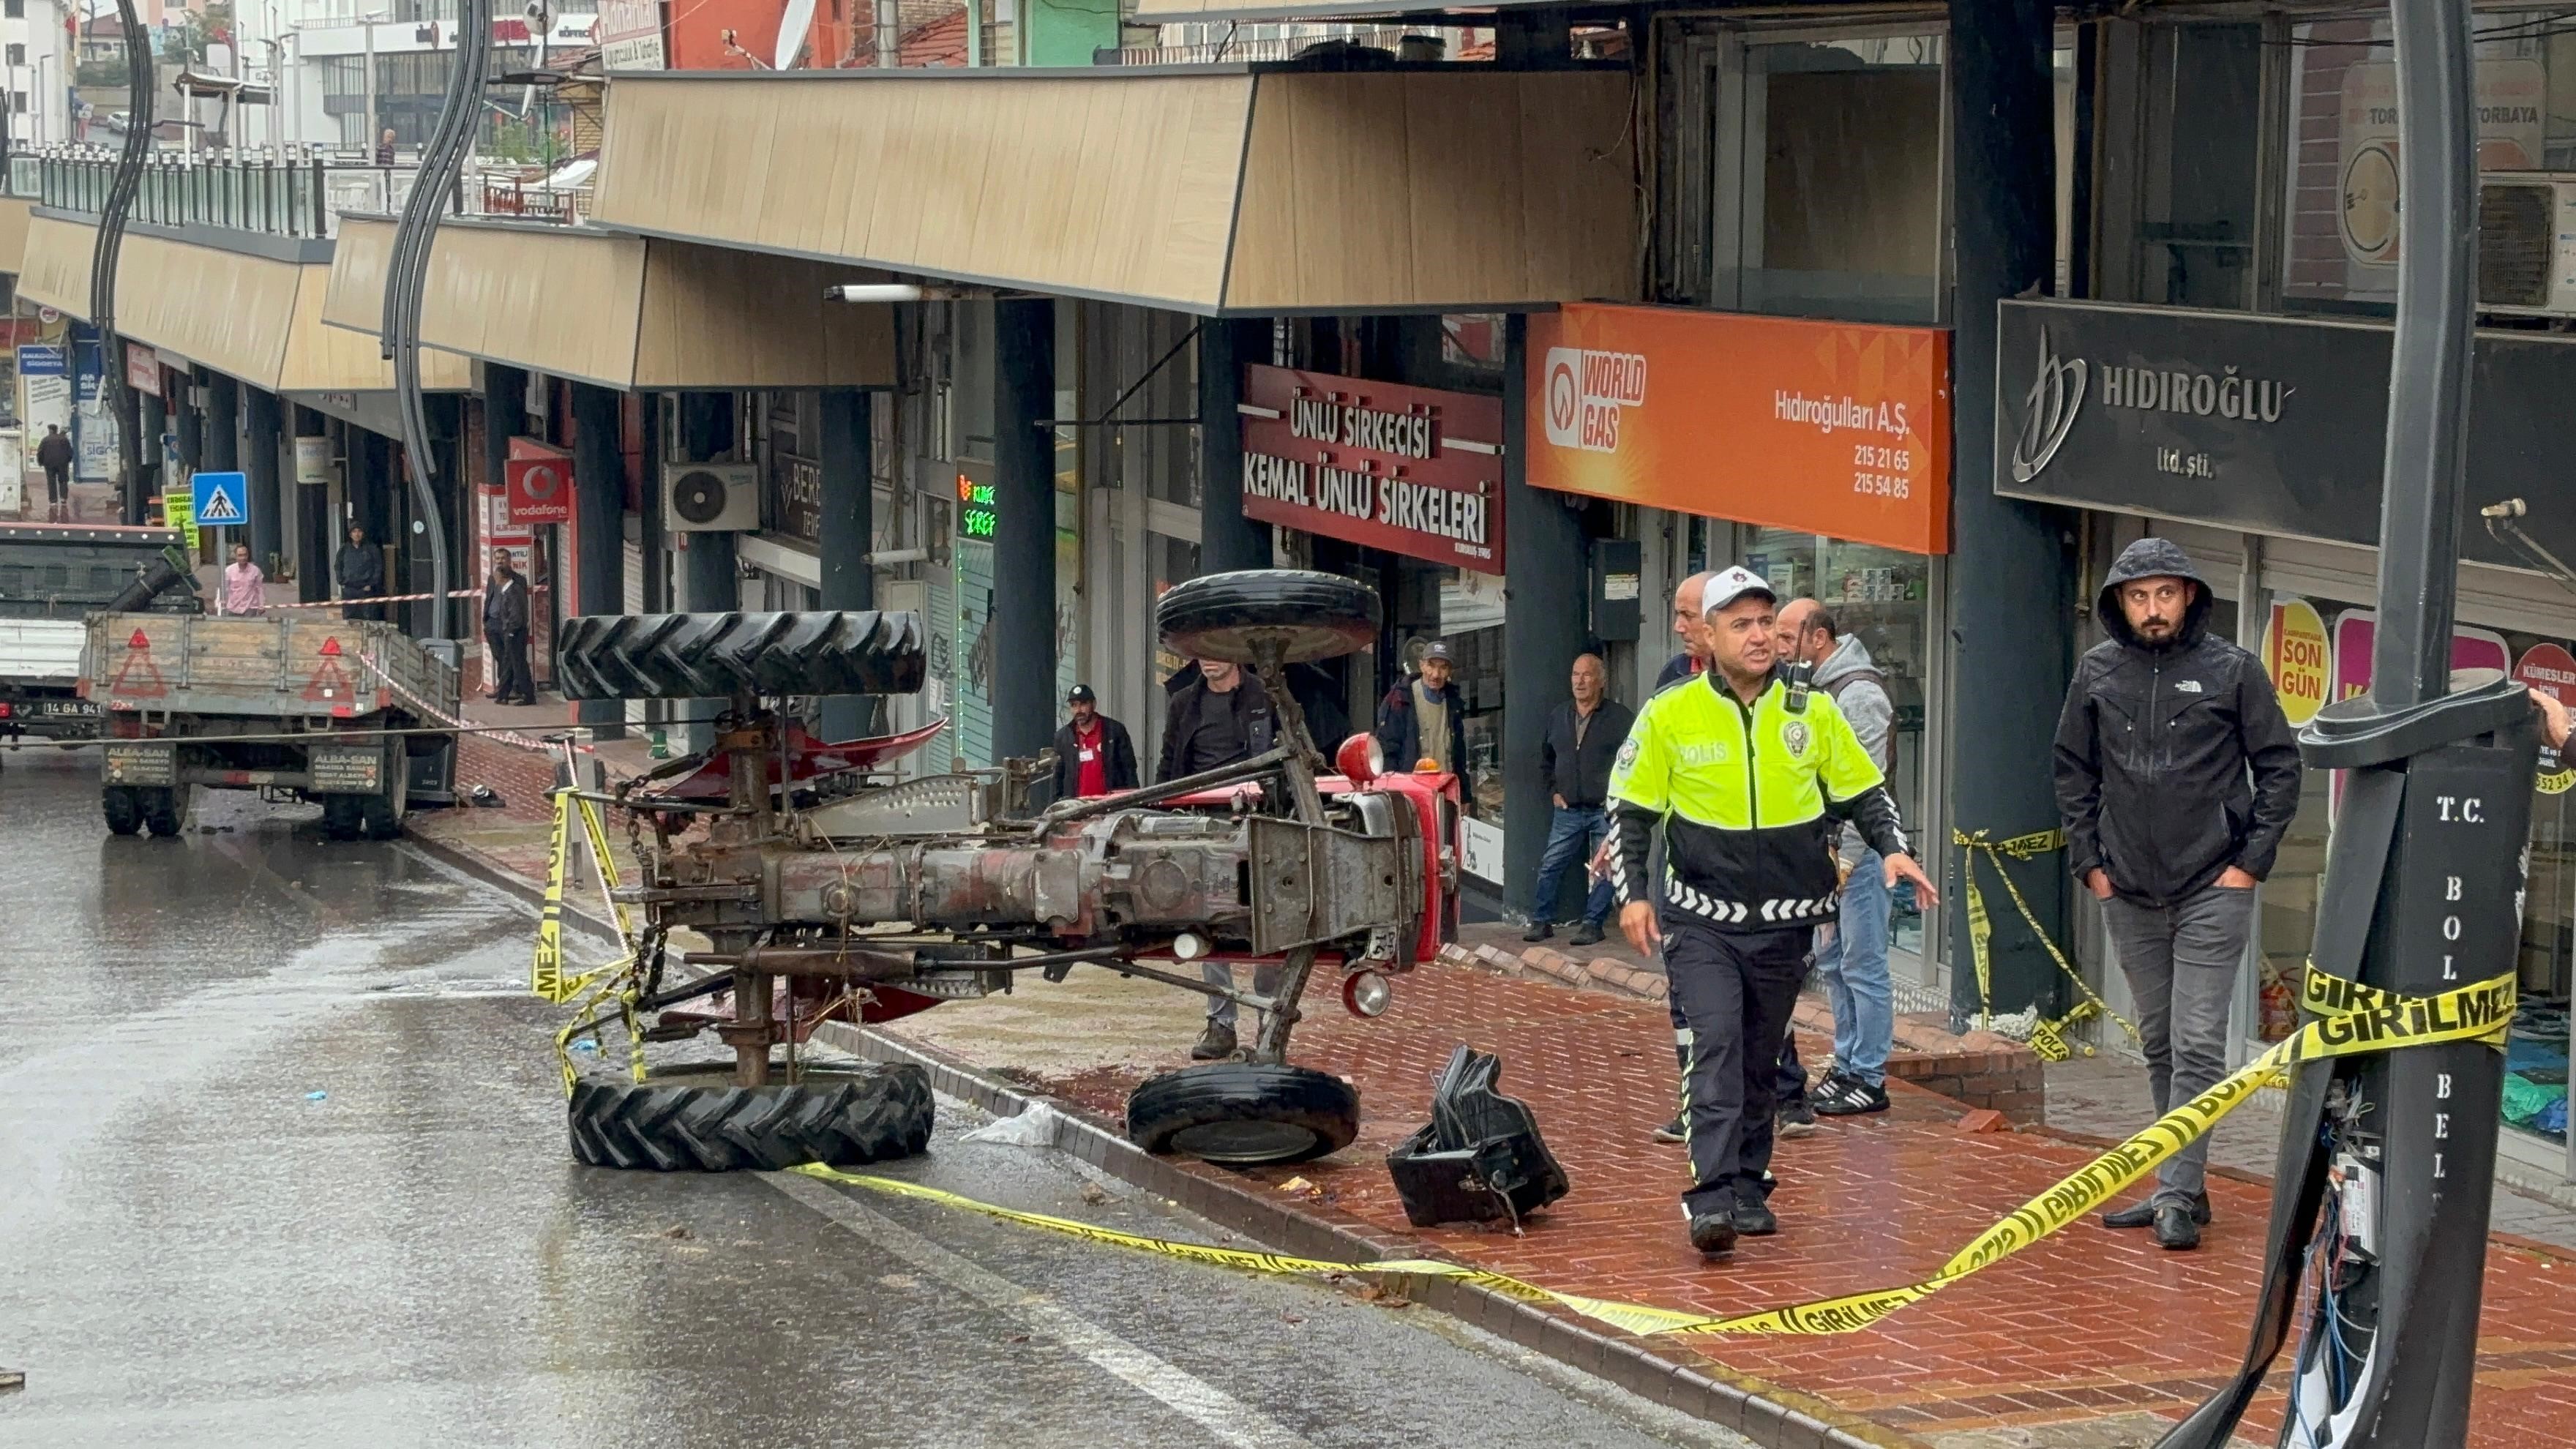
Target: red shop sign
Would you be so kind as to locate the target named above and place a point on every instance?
(540, 482)
(1405, 469)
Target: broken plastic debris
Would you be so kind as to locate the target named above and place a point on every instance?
(1035, 1126)
(315, 1096)
(1295, 1184)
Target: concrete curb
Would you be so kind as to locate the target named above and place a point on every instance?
(1751, 1407)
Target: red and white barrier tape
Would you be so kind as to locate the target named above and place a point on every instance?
(458, 721)
(384, 599)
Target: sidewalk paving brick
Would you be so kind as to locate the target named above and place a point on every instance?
(2084, 1324)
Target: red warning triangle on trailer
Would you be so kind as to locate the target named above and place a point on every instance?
(138, 677)
(331, 647)
(329, 684)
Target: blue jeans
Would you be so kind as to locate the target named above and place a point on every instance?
(1852, 957)
(1572, 836)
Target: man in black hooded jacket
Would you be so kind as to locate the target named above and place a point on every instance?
(2177, 775)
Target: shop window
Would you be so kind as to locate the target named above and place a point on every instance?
(2535, 1098)
(2184, 194)
(1827, 201)
(2340, 236)
(1173, 561)
(1883, 598)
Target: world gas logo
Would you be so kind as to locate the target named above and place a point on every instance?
(1586, 393)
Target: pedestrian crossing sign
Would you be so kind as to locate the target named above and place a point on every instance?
(221, 499)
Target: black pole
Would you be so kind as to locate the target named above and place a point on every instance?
(1023, 620)
(708, 582)
(848, 459)
(262, 422)
(1227, 539)
(1545, 561)
(599, 526)
(2422, 887)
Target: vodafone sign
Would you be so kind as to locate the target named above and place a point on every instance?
(539, 477)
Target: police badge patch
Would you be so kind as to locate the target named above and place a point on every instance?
(1794, 734)
(1627, 755)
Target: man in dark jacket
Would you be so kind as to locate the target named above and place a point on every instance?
(361, 567)
(1093, 755)
(1583, 735)
(2177, 775)
(505, 628)
(54, 455)
(1690, 629)
(1223, 716)
(1425, 718)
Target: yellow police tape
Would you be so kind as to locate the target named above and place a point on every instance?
(2048, 1038)
(2352, 1019)
(594, 987)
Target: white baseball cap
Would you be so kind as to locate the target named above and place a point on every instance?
(1724, 589)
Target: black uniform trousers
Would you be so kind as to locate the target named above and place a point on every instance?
(1733, 992)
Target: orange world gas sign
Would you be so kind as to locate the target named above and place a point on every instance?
(1827, 427)
(2297, 656)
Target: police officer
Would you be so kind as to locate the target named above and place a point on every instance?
(1749, 778)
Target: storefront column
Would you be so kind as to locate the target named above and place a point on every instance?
(707, 582)
(370, 492)
(1023, 529)
(2011, 569)
(1547, 564)
(847, 524)
(599, 506)
(222, 441)
(1227, 539)
(156, 417)
(192, 423)
(316, 540)
(261, 424)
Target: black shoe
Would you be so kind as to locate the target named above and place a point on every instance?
(1713, 1234)
(1672, 1132)
(1587, 934)
(1796, 1119)
(1215, 1044)
(1753, 1216)
(2142, 1213)
(1538, 931)
(1842, 1096)
(2176, 1232)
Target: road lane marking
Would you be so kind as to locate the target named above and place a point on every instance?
(1228, 1418)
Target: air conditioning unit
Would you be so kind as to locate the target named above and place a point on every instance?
(2527, 243)
(711, 497)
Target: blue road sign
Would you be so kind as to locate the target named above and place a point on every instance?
(222, 499)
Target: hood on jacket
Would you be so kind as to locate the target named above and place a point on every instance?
(1850, 656)
(2150, 558)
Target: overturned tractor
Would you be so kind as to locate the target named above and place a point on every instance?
(826, 887)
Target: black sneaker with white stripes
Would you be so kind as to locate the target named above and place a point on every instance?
(1841, 1096)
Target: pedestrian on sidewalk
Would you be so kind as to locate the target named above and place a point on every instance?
(361, 567)
(1220, 718)
(1851, 950)
(1740, 779)
(54, 455)
(1093, 755)
(245, 587)
(1582, 737)
(1425, 718)
(505, 628)
(2176, 775)
(1794, 1118)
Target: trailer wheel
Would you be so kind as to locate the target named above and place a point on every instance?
(694, 1119)
(1243, 1114)
(166, 810)
(710, 656)
(1219, 616)
(342, 818)
(123, 811)
(381, 816)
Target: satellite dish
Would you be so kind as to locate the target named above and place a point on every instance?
(699, 496)
(791, 32)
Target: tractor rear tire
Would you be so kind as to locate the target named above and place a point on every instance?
(1314, 615)
(713, 656)
(694, 1119)
(124, 811)
(1242, 1114)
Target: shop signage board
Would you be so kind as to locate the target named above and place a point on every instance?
(313, 461)
(2356, 629)
(1406, 469)
(2298, 657)
(539, 478)
(630, 35)
(142, 369)
(2550, 669)
(2512, 98)
(1831, 428)
(2265, 424)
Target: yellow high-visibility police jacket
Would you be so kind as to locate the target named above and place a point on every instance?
(1750, 798)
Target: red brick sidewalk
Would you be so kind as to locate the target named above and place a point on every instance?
(2087, 1324)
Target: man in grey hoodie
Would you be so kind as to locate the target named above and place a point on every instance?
(1851, 954)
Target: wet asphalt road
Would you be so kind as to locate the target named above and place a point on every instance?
(282, 1164)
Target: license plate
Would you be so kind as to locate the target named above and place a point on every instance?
(78, 708)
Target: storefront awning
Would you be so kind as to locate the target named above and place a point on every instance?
(622, 311)
(257, 318)
(15, 213)
(1224, 190)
